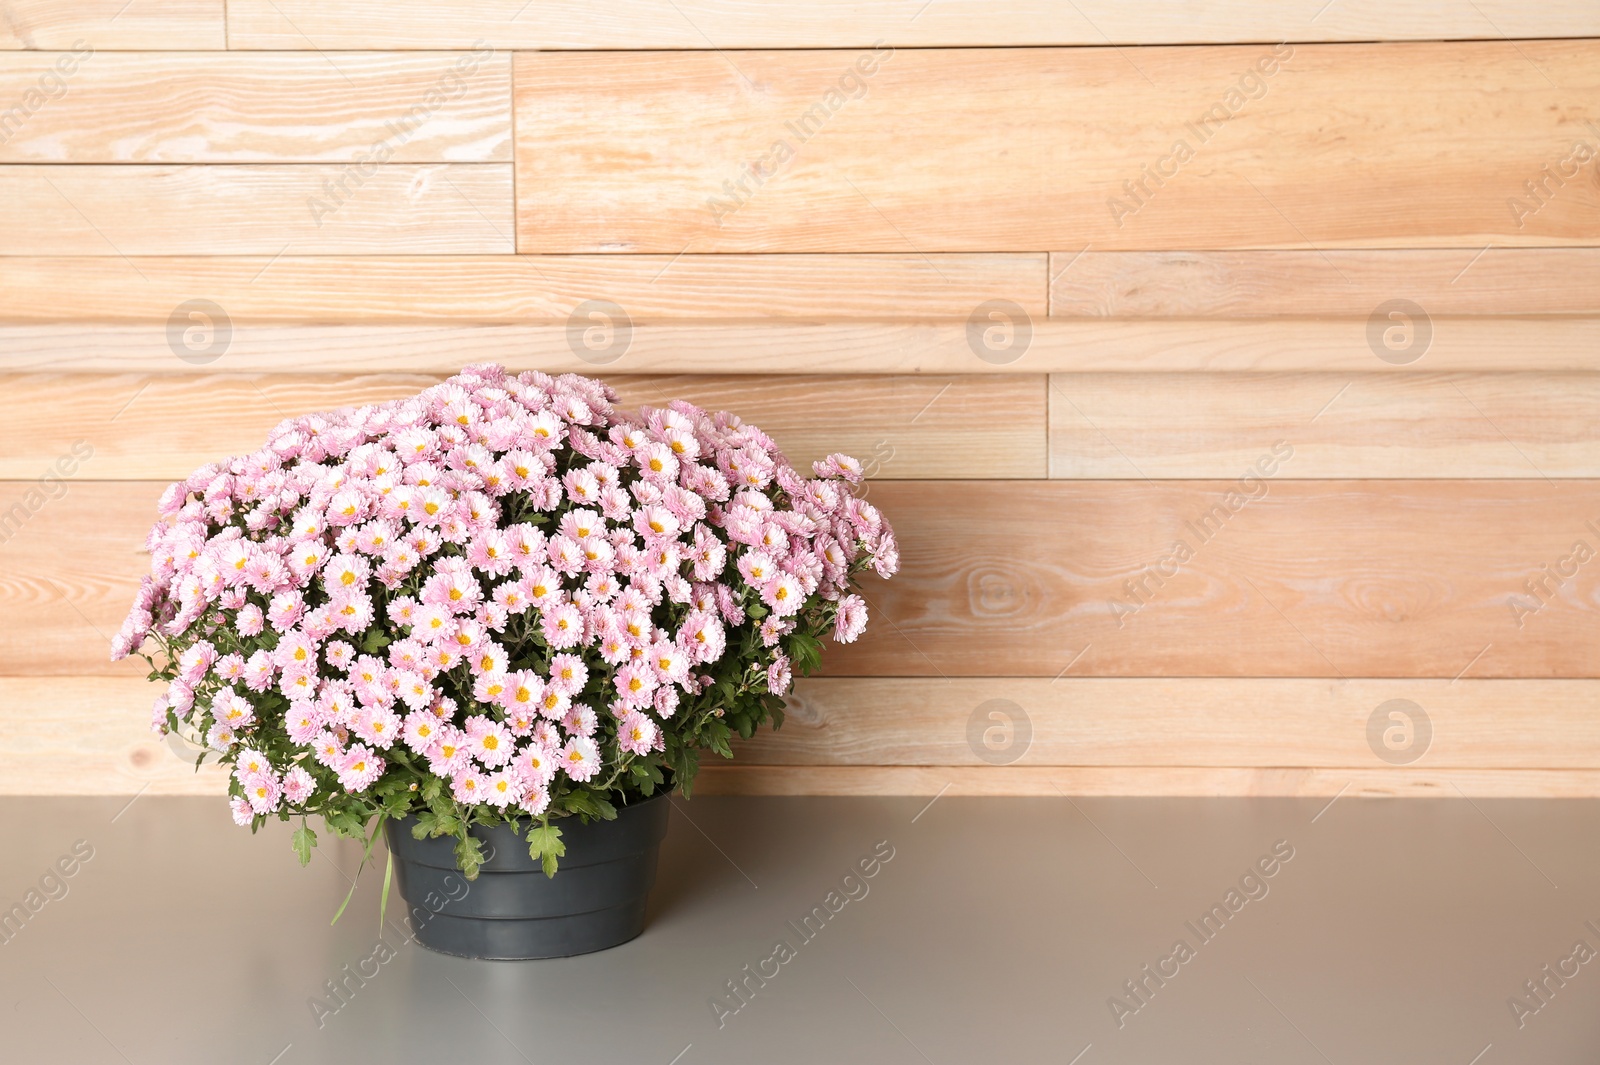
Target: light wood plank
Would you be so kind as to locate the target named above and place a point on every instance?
(308, 107)
(900, 427)
(1014, 149)
(695, 24)
(90, 736)
(420, 209)
(165, 426)
(1312, 578)
(1187, 722)
(501, 288)
(1340, 283)
(56, 25)
(1340, 425)
(1316, 579)
(1559, 345)
(1352, 784)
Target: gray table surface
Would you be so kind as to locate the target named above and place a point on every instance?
(1001, 930)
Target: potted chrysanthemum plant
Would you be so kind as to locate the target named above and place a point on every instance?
(499, 622)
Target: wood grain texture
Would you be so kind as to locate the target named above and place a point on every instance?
(1187, 722)
(1322, 785)
(1311, 578)
(90, 736)
(1010, 149)
(1315, 579)
(54, 25)
(165, 426)
(1338, 283)
(699, 24)
(887, 736)
(399, 209)
(158, 107)
(1340, 425)
(1558, 344)
(502, 288)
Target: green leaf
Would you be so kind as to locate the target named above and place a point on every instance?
(646, 776)
(383, 903)
(346, 823)
(469, 855)
(715, 735)
(545, 844)
(304, 839)
(805, 651)
(589, 806)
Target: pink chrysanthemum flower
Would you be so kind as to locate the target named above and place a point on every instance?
(851, 619)
(637, 733)
(553, 704)
(468, 787)
(490, 742)
(502, 789)
(420, 731)
(251, 763)
(563, 626)
(500, 544)
(262, 791)
(778, 675)
(784, 595)
(298, 785)
(304, 722)
(579, 720)
(250, 620)
(376, 726)
(568, 674)
(536, 801)
(635, 682)
(359, 768)
(579, 758)
(220, 738)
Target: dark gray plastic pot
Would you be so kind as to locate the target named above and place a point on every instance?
(513, 911)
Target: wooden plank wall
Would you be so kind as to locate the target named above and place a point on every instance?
(1230, 375)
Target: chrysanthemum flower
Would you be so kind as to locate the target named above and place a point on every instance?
(359, 768)
(637, 733)
(499, 544)
(579, 758)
